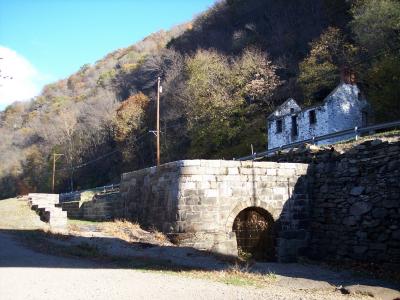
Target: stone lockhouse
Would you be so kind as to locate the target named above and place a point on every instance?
(344, 108)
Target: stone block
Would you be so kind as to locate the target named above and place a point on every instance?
(266, 165)
(209, 178)
(233, 171)
(203, 185)
(360, 208)
(287, 166)
(212, 171)
(350, 221)
(247, 171)
(391, 203)
(357, 190)
(223, 178)
(246, 164)
(230, 163)
(210, 163)
(211, 193)
(360, 249)
(286, 172)
(187, 186)
(189, 163)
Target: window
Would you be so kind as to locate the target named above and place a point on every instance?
(279, 126)
(294, 126)
(312, 117)
(364, 118)
(292, 110)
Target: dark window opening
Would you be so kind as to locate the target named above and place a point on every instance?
(292, 110)
(279, 126)
(255, 234)
(294, 126)
(364, 120)
(312, 116)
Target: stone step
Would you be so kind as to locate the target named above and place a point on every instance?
(49, 210)
(43, 202)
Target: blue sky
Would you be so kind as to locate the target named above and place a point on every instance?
(55, 37)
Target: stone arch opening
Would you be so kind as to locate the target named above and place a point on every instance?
(255, 234)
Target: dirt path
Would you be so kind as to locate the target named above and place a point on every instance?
(26, 274)
(29, 275)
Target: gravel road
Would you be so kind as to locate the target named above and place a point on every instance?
(25, 274)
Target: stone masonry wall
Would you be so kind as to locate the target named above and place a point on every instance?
(102, 207)
(356, 202)
(197, 201)
(342, 109)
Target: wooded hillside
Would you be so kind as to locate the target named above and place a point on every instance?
(221, 75)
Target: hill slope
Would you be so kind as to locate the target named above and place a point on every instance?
(221, 75)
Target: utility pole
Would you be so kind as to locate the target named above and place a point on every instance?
(158, 119)
(56, 156)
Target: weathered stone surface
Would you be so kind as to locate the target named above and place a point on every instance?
(379, 213)
(350, 221)
(47, 207)
(356, 202)
(360, 249)
(354, 214)
(360, 208)
(357, 190)
(396, 235)
(391, 203)
(204, 197)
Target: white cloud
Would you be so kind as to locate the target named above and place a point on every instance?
(22, 81)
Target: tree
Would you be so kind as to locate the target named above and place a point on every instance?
(222, 92)
(320, 70)
(376, 26)
(127, 121)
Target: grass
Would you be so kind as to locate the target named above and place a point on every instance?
(87, 196)
(235, 275)
(122, 229)
(16, 214)
(361, 139)
(46, 241)
(82, 222)
(126, 231)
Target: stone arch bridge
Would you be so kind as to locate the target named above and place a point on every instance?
(261, 208)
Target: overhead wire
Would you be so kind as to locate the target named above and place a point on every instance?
(333, 73)
(141, 137)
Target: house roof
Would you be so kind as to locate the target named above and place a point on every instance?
(307, 107)
(281, 106)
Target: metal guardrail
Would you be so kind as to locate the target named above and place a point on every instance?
(76, 196)
(352, 131)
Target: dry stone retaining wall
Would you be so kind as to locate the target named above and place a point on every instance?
(356, 202)
(102, 207)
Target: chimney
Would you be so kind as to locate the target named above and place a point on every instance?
(348, 76)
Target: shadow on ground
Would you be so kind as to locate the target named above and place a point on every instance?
(39, 249)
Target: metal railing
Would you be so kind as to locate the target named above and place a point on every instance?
(356, 132)
(76, 196)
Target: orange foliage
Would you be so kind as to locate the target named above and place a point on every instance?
(129, 115)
